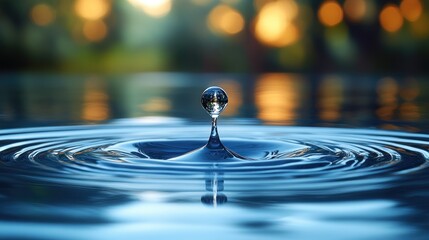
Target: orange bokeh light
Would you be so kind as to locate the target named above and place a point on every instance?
(95, 31)
(226, 20)
(355, 10)
(330, 13)
(42, 14)
(391, 19)
(92, 9)
(411, 9)
(274, 24)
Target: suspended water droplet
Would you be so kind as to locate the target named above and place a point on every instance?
(214, 101)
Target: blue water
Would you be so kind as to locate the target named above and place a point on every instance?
(108, 177)
(117, 180)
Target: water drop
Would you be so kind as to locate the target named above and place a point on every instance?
(214, 101)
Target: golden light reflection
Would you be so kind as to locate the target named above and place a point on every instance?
(331, 98)
(390, 18)
(277, 97)
(95, 102)
(153, 8)
(42, 14)
(330, 13)
(235, 96)
(387, 91)
(92, 9)
(410, 91)
(411, 9)
(409, 110)
(156, 104)
(355, 10)
(274, 24)
(225, 19)
(94, 31)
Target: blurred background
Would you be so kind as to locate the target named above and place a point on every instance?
(332, 62)
(122, 36)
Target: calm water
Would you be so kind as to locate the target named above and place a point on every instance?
(331, 157)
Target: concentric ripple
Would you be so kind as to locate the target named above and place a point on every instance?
(278, 160)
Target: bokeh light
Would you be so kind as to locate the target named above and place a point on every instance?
(225, 19)
(248, 35)
(355, 10)
(330, 13)
(391, 19)
(411, 9)
(95, 31)
(153, 8)
(92, 9)
(274, 24)
(42, 14)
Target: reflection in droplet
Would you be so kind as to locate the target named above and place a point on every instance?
(277, 97)
(214, 101)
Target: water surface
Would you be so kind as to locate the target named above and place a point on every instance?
(310, 168)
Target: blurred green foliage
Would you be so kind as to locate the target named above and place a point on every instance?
(109, 36)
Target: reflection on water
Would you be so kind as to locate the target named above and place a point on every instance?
(111, 179)
(156, 104)
(115, 180)
(387, 90)
(409, 110)
(277, 97)
(269, 98)
(398, 101)
(95, 101)
(331, 98)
